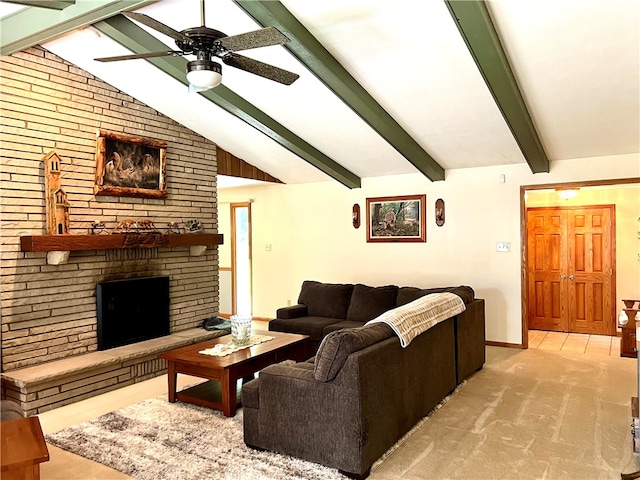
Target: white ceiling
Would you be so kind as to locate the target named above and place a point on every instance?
(576, 62)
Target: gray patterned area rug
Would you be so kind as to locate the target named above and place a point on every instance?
(155, 439)
(158, 440)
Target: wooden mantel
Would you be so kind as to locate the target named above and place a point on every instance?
(198, 243)
(50, 243)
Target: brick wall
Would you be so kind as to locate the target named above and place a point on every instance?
(48, 312)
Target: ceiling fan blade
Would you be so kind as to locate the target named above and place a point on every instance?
(176, 53)
(264, 37)
(159, 26)
(259, 68)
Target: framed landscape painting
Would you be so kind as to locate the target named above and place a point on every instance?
(396, 219)
(130, 166)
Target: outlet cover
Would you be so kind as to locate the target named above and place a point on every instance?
(503, 247)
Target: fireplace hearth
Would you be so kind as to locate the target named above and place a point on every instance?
(132, 310)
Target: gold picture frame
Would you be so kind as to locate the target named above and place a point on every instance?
(397, 219)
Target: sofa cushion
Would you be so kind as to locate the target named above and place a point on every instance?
(292, 311)
(338, 345)
(409, 294)
(369, 302)
(312, 326)
(340, 325)
(325, 299)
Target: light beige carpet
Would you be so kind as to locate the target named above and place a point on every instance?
(527, 414)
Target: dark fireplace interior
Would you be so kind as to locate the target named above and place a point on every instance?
(131, 311)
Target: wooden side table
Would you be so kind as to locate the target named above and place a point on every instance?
(628, 340)
(23, 449)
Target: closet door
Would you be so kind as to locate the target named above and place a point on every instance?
(570, 286)
(547, 269)
(590, 271)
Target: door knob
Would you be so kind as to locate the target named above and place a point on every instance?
(563, 276)
(570, 277)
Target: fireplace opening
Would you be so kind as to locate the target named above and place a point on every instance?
(132, 310)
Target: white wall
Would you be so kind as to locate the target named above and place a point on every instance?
(309, 229)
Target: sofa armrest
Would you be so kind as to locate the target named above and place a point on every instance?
(294, 407)
(290, 369)
(251, 390)
(292, 311)
(470, 339)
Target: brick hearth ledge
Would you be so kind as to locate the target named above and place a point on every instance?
(61, 382)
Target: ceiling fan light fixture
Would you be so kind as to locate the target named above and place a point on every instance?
(567, 193)
(204, 74)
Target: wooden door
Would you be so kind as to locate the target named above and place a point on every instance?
(546, 269)
(590, 271)
(241, 262)
(570, 269)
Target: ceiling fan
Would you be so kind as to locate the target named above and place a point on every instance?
(206, 43)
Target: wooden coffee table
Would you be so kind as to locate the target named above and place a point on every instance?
(228, 369)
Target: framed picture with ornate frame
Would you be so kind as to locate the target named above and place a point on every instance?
(396, 219)
(130, 166)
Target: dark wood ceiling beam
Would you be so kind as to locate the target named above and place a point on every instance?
(479, 33)
(34, 26)
(323, 65)
(53, 4)
(128, 34)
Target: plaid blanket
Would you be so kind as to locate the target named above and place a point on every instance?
(410, 320)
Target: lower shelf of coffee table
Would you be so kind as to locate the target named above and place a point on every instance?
(206, 393)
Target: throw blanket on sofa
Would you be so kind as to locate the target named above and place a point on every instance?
(410, 320)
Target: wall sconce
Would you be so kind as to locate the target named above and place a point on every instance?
(567, 193)
(355, 215)
(440, 212)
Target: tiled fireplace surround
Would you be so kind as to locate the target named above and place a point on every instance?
(48, 312)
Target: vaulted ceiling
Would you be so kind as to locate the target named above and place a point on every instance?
(385, 87)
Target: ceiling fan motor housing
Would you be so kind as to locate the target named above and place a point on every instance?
(202, 39)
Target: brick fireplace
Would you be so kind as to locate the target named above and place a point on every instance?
(48, 312)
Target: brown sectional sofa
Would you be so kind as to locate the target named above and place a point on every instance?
(326, 307)
(362, 392)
